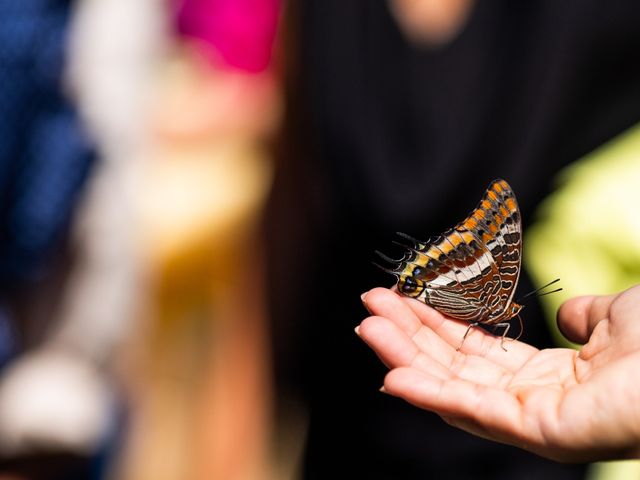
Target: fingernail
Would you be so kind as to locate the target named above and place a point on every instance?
(363, 298)
(383, 390)
(357, 330)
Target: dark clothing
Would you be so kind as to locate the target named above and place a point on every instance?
(385, 136)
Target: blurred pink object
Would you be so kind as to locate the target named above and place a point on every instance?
(240, 32)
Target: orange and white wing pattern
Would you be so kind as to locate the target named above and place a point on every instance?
(471, 271)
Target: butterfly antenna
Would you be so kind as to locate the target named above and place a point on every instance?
(534, 292)
(552, 291)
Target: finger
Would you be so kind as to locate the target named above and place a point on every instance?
(624, 314)
(390, 305)
(396, 349)
(578, 316)
(494, 410)
(444, 335)
(393, 346)
(478, 341)
(385, 303)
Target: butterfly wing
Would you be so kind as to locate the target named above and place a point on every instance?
(496, 222)
(469, 272)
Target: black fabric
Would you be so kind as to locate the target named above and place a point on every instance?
(384, 136)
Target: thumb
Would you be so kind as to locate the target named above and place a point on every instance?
(578, 316)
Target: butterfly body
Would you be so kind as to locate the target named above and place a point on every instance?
(470, 272)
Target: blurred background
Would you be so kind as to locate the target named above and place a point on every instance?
(191, 192)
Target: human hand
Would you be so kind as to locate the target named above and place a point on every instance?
(559, 403)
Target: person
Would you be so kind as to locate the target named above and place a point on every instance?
(562, 404)
(385, 132)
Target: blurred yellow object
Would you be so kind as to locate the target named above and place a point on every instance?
(196, 206)
(588, 234)
(205, 176)
(200, 380)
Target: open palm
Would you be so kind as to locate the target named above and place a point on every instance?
(559, 403)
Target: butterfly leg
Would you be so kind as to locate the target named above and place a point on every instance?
(471, 325)
(504, 334)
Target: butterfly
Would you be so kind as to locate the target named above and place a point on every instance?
(469, 272)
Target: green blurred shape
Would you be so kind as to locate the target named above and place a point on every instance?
(588, 234)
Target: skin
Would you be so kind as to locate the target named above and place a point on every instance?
(562, 404)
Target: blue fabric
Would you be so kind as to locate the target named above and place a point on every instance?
(44, 154)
